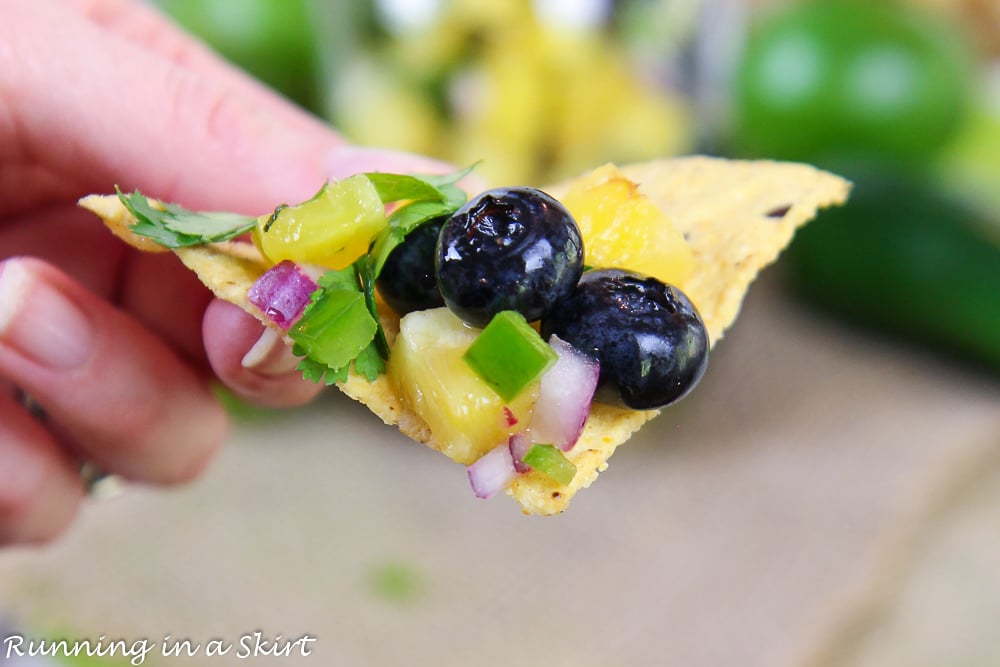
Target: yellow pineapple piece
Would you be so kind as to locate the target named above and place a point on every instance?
(623, 229)
(332, 229)
(466, 416)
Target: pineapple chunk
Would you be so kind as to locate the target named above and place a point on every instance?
(332, 229)
(466, 416)
(623, 229)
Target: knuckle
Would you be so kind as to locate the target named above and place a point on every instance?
(212, 117)
(215, 112)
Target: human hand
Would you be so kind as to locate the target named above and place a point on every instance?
(114, 345)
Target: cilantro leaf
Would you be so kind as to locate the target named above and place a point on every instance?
(363, 269)
(421, 187)
(345, 279)
(403, 221)
(335, 328)
(454, 196)
(369, 363)
(173, 226)
(401, 187)
(441, 180)
(315, 371)
(411, 216)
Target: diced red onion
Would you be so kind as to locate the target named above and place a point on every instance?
(492, 473)
(282, 293)
(519, 445)
(564, 397)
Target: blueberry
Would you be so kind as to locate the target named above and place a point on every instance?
(647, 336)
(508, 249)
(407, 281)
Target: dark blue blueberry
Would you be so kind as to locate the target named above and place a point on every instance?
(406, 281)
(508, 249)
(647, 336)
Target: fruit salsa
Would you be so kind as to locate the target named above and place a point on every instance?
(522, 334)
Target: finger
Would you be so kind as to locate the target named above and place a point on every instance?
(65, 235)
(132, 406)
(147, 28)
(168, 298)
(39, 488)
(144, 26)
(178, 133)
(252, 360)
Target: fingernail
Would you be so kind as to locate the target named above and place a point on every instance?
(40, 323)
(270, 355)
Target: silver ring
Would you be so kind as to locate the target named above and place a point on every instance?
(96, 482)
(99, 484)
(30, 404)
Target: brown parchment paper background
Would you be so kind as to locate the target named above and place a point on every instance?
(822, 500)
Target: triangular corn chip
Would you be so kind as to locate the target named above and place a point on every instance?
(737, 216)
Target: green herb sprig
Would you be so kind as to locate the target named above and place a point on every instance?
(173, 226)
(341, 324)
(335, 330)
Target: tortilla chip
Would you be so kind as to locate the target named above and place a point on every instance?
(737, 216)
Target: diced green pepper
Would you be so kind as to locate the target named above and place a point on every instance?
(551, 462)
(509, 355)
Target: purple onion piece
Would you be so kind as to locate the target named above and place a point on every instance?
(519, 445)
(564, 398)
(282, 293)
(492, 473)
